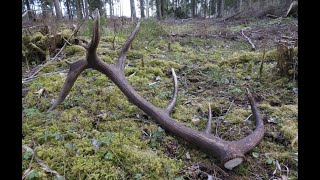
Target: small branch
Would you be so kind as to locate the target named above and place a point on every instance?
(262, 61)
(45, 167)
(287, 37)
(37, 48)
(113, 40)
(248, 117)
(253, 47)
(218, 122)
(271, 16)
(67, 41)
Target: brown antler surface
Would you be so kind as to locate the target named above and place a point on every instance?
(231, 153)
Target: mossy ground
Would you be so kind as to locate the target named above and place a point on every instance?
(96, 133)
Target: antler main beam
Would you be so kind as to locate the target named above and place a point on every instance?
(231, 153)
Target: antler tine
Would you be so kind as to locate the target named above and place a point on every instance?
(122, 57)
(173, 101)
(92, 47)
(208, 127)
(249, 142)
(75, 69)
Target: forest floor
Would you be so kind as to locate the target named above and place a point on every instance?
(96, 133)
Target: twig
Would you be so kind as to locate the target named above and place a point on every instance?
(228, 109)
(288, 37)
(221, 170)
(253, 47)
(37, 48)
(248, 117)
(66, 41)
(28, 171)
(74, 32)
(262, 61)
(42, 164)
(271, 16)
(218, 122)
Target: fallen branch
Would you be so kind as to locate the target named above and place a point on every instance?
(42, 164)
(253, 47)
(37, 48)
(73, 33)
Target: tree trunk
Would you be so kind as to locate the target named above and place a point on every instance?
(205, 8)
(163, 5)
(29, 10)
(111, 7)
(68, 9)
(58, 9)
(220, 8)
(86, 9)
(83, 9)
(142, 8)
(193, 8)
(147, 8)
(158, 6)
(133, 10)
(79, 12)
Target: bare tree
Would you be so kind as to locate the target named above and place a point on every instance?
(147, 8)
(58, 9)
(79, 10)
(110, 7)
(86, 9)
(133, 10)
(230, 153)
(220, 8)
(28, 9)
(142, 8)
(193, 7)
(158, 7)
(205, 8)
(68, 9)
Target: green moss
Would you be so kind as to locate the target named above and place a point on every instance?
(236, 116)
(109, 39)
(177, 47)
(242, 58)
(37, 36)
(287, 116)
(97, 133)
(271, 55)
(149, 162)
(75, 50)
(66, 33)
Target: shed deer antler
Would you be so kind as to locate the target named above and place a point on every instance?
(231, 153)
